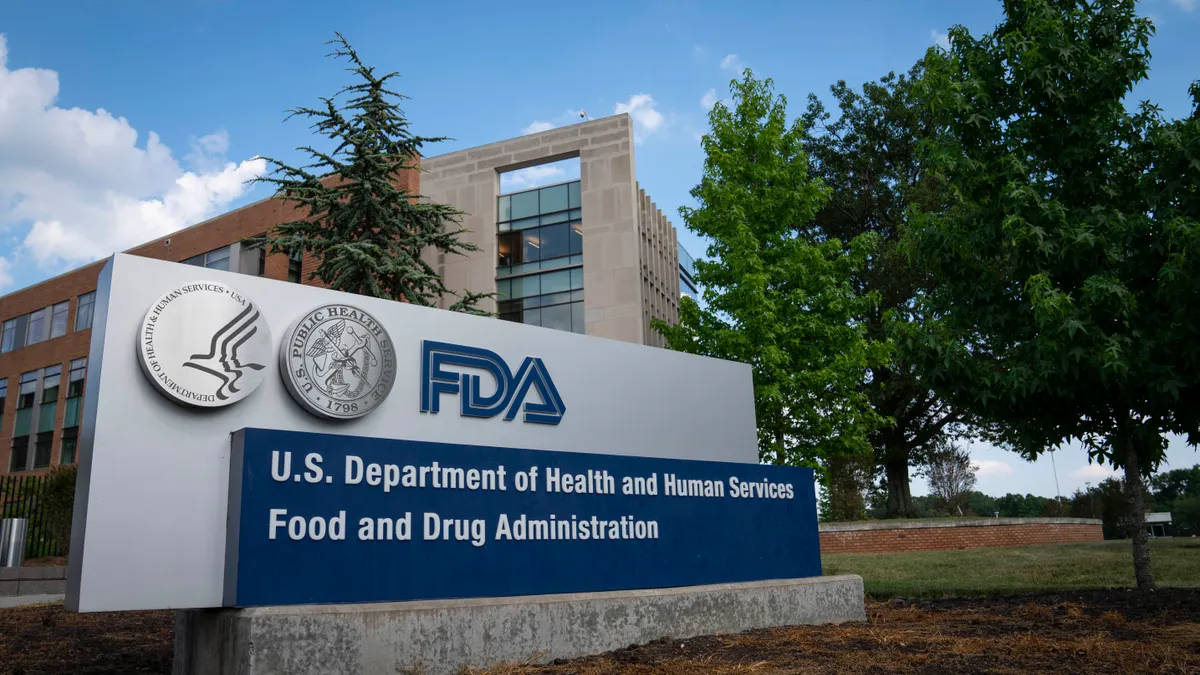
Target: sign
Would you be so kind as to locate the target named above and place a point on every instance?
(440, 365)
(204, 344)
(152, 496)
(319, 518)
(338, 362)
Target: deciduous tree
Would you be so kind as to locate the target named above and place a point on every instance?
(947, 467)
(869, 159)
(774, 300)
(1067, 256)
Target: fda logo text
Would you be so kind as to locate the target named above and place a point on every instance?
(455, 369)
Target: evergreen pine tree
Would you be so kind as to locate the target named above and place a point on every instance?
(367, 232)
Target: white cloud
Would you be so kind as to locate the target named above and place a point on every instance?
(733, 64)
(208, 151)
(85, 187)
(523, 179)
(536, 126)
(1185, 5)
(709, 99)
(991, 467)
(699, 51)
(5, 273)
(1094, 472)
(646, 119)
(940, 39)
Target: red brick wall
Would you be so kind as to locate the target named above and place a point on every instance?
(248, 221)
(982, 535)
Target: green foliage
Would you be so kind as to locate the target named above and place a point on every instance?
(367, 232)
(47, 503)
(1185, 515)
(774, 300)
(1178, 491)
(869, 160)
(844, 495)
(981, 504)
(1066, 257)
(1169, 486)
(58, 503)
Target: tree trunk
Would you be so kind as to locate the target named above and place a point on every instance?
(899, 495)
(1135, 496)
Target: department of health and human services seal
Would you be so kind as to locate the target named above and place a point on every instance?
(204, 344)
(338, 362)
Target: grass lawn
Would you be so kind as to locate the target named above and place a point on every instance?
(1026, 569)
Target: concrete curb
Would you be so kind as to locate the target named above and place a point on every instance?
(25, 600)
(21, 581)
(439, 637)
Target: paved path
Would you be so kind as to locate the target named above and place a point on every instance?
(22, 600)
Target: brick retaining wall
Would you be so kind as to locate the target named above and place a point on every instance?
(954, 533)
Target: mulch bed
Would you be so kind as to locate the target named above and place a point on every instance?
(1077, 632)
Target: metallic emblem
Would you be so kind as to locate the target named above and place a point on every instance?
(204, 344)
(338, 362)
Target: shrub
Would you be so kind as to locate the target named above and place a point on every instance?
(59, 503)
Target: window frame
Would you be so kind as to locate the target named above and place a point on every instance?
(40, 318)
(295, 269)
(57, 310)
(541, 218)
(69, 434)
(206, 259)
(85, 305)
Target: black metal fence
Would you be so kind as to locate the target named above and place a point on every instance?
(24, 497)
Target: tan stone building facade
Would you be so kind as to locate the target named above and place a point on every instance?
(593, 256)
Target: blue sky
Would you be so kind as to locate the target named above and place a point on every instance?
(122, 121)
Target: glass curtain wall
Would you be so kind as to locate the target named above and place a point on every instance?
(539, 270)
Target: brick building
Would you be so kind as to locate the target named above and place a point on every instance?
(539, 250)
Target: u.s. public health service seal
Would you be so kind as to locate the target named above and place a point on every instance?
(338, 362)
(204, 344)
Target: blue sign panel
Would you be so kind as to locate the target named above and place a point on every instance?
(319, 518)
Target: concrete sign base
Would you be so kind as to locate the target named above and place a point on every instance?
(440, 636)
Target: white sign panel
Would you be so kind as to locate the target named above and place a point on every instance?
(150, 511)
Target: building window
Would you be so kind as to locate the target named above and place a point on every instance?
(76, 377)
(253, 260)
(295, 267)
(36, 331)
(550, 299)
(74, 410)
(8, 337)
(18, 460)
(83, 313)
(3, 395)
(58, 318)
(70, 445)
(213, 260)
(41, 449)
(687, 273)
(51, 378)
(539, 231)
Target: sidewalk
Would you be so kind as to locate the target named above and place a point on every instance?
(22, 600)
